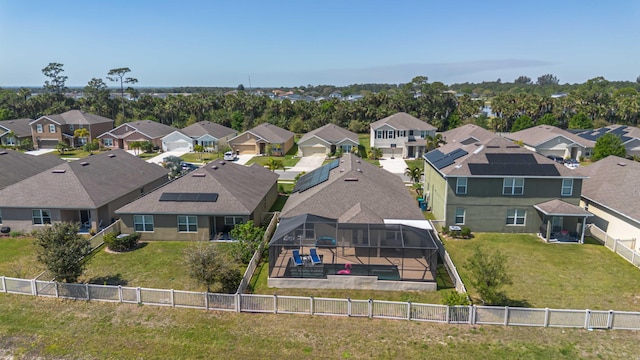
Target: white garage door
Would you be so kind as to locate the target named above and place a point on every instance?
(314, 151)
(180, 144)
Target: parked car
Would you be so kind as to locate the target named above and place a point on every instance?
(188, 166)
(557, 159)
(571, 163)
(230, 156)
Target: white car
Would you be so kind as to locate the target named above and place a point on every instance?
(230, 156)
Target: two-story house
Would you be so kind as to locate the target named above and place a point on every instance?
(400, 135)
(498, 186)
(47, 131)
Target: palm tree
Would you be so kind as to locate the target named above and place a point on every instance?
(434, 141)
(81, 133)
(375, 153)
(414, 173)
(199, 149)
(274, 164)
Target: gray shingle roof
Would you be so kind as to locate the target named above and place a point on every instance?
(16, 166)
(152, 129)
(271, 133)
(86, 183)
(240, 189)
(352, 196)
(207, 127)
(539, 134)
(557, 207)
(467, 134)
(614, 182)
(330, 133)
(77, 117)
(20, 127)
(403, 121)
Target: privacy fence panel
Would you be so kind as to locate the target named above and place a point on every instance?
(567, 318)
(293, 305)
(18, 286)
(225, 302)
(325, 306)
(73, 291)
(623, 320)
(156, 297)
(257, 303)
(491, 315)
(527, 317)
(390, 310)
(189, 299)
(46, 288)
(459, 314)
(425, 312)
(104, 293)
(130, 295)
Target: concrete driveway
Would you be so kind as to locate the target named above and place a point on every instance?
(308, 163)
(158, 159)
(39, 152)
(243, 159)
(396, 166)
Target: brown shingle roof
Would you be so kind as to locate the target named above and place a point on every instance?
(270, 133)
(77, 117)
(558, 207)
(330, 133)
(207, 127)
(614, 182)
(150, 128)
(86, 183)
(403, 121)
(365, 196)
(540, 134)
(16, 166)
(467, 134)
(240, 189)
(20, 127)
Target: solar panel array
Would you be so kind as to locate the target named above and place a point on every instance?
(594, 135)
(513, 165)
(440, 160)
(315, 177)
(189, 197)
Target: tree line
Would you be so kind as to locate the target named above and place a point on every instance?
(517, 105)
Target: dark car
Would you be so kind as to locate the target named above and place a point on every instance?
(557, 159)
(188, 166)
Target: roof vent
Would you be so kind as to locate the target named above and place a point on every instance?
(112, 155)
(3, 153)
(214, 167)
(351, 179)
(358, 161)
(59, 171)
(359, 170)
(198, 174)
(341, 170)
(622, 164)
(222, 162)
(84, 163)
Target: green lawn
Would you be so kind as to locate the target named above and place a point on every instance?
(570, 276)
(18, 258)
(75, 154)
(364, 147)
(279, 204)
(146, 155)
(48, 328)
(201, 158)
(419, 163)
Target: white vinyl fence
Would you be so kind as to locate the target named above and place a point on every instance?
(255, 259)
(448, 263)
(276, 304)
(622, 247)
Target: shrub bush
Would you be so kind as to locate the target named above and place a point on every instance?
(121, 243)
(466, 232)
(453, 298)
(16, 234)
(444, 230)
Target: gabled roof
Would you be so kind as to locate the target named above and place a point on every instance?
(625, 133)
(76, 117)
(614, 182)
(331, 134)
(466, 135)
(557, 207)
(497, 157)
(207, 127)
(355, 192)
(16, 166)
(83, 184)
(149, 128)
(20, 127)
(269, 133)
(240, 189)
(403, 121)
(538, 135)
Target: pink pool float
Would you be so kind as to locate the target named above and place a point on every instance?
(346, 270)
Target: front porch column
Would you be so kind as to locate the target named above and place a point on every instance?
(548, 234)
(584, 225)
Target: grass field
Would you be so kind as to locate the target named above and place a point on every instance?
(571, 276)
(33, 327)
(75, 154)
(18, 259)
(201, 158)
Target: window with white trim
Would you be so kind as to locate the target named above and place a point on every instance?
(71, 127)
(187, 223)
(513, 186)
(402, 133)
(391, 134)
(143, 223)
(39, 128)
(423, 134)
(233, 220)
(461, 186)
(107, 142)
(567, 187)
(41, 216)
(459, 216)
(379, 134)
(516, 217)
(52, 128)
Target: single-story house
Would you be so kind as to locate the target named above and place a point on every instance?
(87, 191)
(549, 140)
(204, 204)
(16, 166)
(263, 139)
(205, 133)
(15, 132)
(629, 135)
(401, 135)
(138, 131)
(612, 194)
(47, 131)
(364, 226)
(326, 140)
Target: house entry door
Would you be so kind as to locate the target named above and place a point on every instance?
(85, 217)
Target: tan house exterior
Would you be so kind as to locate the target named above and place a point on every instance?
(549, 140)
(15, 132)
(400, 135)
(204, 204)
(135, 131)
(257, 140)
(47, 131)
(326, 140)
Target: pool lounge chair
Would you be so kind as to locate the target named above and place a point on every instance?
(296, 258)
(315, 259)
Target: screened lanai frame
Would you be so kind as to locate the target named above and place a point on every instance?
(389, 251)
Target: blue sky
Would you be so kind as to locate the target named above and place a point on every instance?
(292, 43)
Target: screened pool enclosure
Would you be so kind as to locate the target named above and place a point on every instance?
(309, 246)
